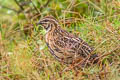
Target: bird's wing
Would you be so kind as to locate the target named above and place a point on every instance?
(72, 45)
(67, 46)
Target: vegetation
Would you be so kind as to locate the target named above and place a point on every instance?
(24, 54)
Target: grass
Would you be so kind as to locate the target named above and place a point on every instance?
(26, 57)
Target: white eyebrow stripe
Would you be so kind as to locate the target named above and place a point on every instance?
(45, 22)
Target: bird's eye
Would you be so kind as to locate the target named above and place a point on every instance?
(45, 20)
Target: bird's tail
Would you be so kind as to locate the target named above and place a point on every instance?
(94, 58)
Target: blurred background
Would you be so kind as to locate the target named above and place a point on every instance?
(24, 54)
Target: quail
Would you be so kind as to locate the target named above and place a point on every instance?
(65, 46)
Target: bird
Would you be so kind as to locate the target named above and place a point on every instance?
(65, 46)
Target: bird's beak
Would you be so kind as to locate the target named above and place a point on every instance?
(39, 23)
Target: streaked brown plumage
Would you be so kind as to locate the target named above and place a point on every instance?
(63, 45)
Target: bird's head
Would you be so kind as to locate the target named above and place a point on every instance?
(48, 23)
